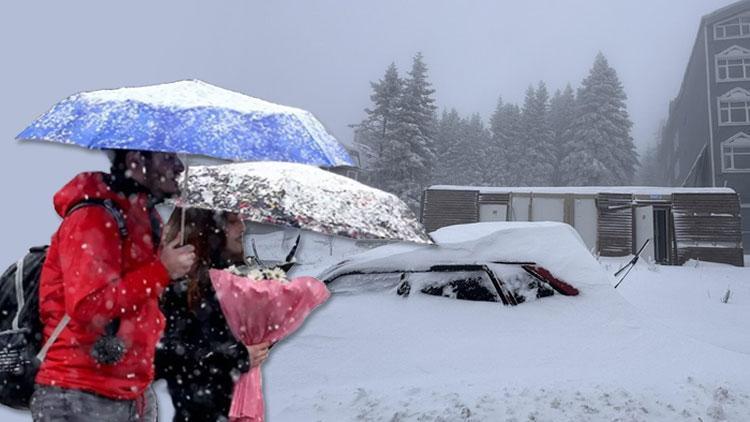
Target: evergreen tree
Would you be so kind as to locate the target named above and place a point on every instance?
(476, 167)
(455, 157)
(464, 160)
(496, 156)
(561, 114)
(381, 119)
(651, 171)
(448, 141)
(506, 145)
(471, 165)
(409, 154)
(385, 98)
(600, 150)
(536, 162)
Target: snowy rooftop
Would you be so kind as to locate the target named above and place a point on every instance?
(584, 190)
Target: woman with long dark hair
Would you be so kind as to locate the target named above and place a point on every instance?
(198, 355)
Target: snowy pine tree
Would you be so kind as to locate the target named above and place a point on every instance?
(479, 142)
(650, 170)
(468, 161)
(600, 150)
(561, 114)
(506, 145)
(463, 148)
(537, 160)
(381, 119)
(448, 143)
(408, 154)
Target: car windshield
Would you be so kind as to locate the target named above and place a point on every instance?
(516, 285)
(360, 283)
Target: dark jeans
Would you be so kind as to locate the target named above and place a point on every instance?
(54, 404)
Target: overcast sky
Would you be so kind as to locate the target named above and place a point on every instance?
(318, 55)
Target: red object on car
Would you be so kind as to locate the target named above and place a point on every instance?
(560, 286)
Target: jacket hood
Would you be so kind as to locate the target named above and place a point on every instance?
(89, 185)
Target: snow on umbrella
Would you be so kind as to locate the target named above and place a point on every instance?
(190, 117)
(305, 197)
(260, 311)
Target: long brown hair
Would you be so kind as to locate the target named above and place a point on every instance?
(204, 229)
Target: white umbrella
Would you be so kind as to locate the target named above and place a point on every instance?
(302, 196)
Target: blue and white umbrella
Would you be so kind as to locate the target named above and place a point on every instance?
(189, 117)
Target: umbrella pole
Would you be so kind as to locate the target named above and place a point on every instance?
(183, 199)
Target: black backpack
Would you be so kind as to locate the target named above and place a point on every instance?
(21, 349)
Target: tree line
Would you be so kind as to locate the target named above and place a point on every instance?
(571, 138)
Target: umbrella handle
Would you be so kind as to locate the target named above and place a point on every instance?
(182, 196)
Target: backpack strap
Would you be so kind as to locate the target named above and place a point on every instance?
(110, 206)
(114, 210)
(53, 337)
(20, 300)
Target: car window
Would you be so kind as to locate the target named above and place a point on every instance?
(524, 286)
(466, 285)
(517, 285)
(356, 283)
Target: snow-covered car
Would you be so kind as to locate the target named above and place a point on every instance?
(499, 262)
(510, 284)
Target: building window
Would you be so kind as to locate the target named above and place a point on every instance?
(733, 64)
(737, 27)
(734, 108)
(735, 154)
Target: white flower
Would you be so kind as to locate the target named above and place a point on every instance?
(258, 273)
(276, 273)
(237, 271)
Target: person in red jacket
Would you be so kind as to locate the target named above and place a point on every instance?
(97, 278)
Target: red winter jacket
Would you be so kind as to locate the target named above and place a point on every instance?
(93, 274)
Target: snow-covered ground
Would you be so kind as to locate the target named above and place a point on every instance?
(662, 347)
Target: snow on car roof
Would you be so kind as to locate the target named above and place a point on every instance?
(554, 246)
